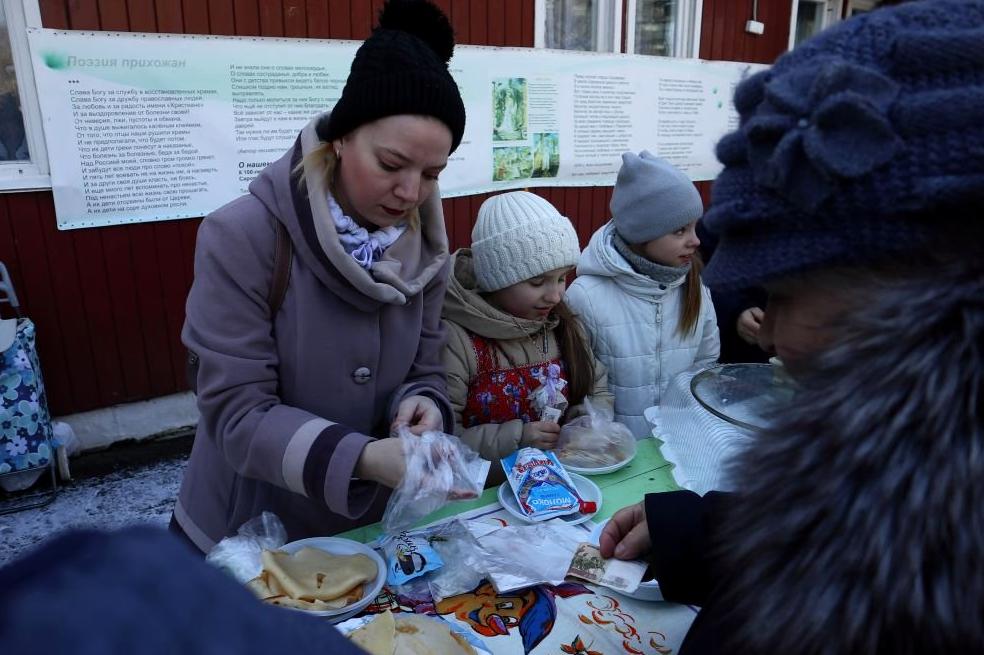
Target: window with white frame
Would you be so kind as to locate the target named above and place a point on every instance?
(13, 138)
(579, 25)
(855, 7)
(810, 17)
(668, 28)
(23, 157)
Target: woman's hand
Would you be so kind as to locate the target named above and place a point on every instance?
(418, 413)
(382, 461)
(626, 536)
(749, 323)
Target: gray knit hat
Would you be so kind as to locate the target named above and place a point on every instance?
(652, 198)
(518, 236)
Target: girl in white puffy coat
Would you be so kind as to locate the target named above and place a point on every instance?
(638, 291)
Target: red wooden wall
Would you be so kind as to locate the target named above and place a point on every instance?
(109, 302)
(723, 37)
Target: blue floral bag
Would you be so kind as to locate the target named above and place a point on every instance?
(25, 425)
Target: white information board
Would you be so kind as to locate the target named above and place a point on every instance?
(147, 127)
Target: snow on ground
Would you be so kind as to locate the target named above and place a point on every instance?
(133, 495)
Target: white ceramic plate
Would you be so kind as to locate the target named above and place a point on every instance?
(338, 546)
(601, 470)
(352, 625)
(646, 590)
(588, 490)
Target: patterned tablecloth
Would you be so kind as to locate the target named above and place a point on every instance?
(576, 619)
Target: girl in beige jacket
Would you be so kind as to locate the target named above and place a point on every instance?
(509, 332)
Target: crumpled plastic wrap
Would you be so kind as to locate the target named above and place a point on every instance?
(520, 556)
(240, 555)
(464, 561)
(510, 557)
(439, 469)
(594, 440)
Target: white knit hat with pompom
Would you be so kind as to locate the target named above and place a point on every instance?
(519, 236)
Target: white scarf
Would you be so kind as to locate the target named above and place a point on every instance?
(363, 246)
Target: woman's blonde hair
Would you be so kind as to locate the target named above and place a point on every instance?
(323, 161)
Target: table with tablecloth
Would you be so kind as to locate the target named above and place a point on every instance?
(576, 619)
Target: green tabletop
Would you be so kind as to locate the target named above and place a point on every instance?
(647, 473)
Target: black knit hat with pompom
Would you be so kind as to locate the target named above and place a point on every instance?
(402, 68)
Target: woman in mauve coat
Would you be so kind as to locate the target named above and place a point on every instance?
(296, 409)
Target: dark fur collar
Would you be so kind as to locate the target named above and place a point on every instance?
(860, 526)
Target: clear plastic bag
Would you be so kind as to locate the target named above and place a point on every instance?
(594, 440)
(240, 555)
(439, 469)
(464, 561)
(543, 558)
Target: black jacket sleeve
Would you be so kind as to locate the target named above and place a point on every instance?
(681, 528)
(728, 305)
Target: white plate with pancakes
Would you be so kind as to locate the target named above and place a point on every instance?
(322, 576)
(600, 469)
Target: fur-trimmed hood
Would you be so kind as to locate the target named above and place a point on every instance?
(860, 527)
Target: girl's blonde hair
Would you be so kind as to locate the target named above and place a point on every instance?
(576, 353)
(323, 161)
(690, 311)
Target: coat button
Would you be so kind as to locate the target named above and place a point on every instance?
(361, 375)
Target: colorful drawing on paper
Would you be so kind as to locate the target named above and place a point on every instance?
(546, 154)
(531, 611)
(607, 611)
(512, 163)
(577, 647)
(509, 109)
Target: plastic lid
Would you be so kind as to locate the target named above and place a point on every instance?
(740, 394)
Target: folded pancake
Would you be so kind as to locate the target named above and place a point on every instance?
(266, 588)
(409, 634)
(378, 637)
(419, 635)
(312, 574)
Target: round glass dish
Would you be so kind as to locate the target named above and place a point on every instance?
(741, 394)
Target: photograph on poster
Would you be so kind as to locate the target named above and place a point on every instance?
(509, 109)
(512, 163)
(546, 154)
